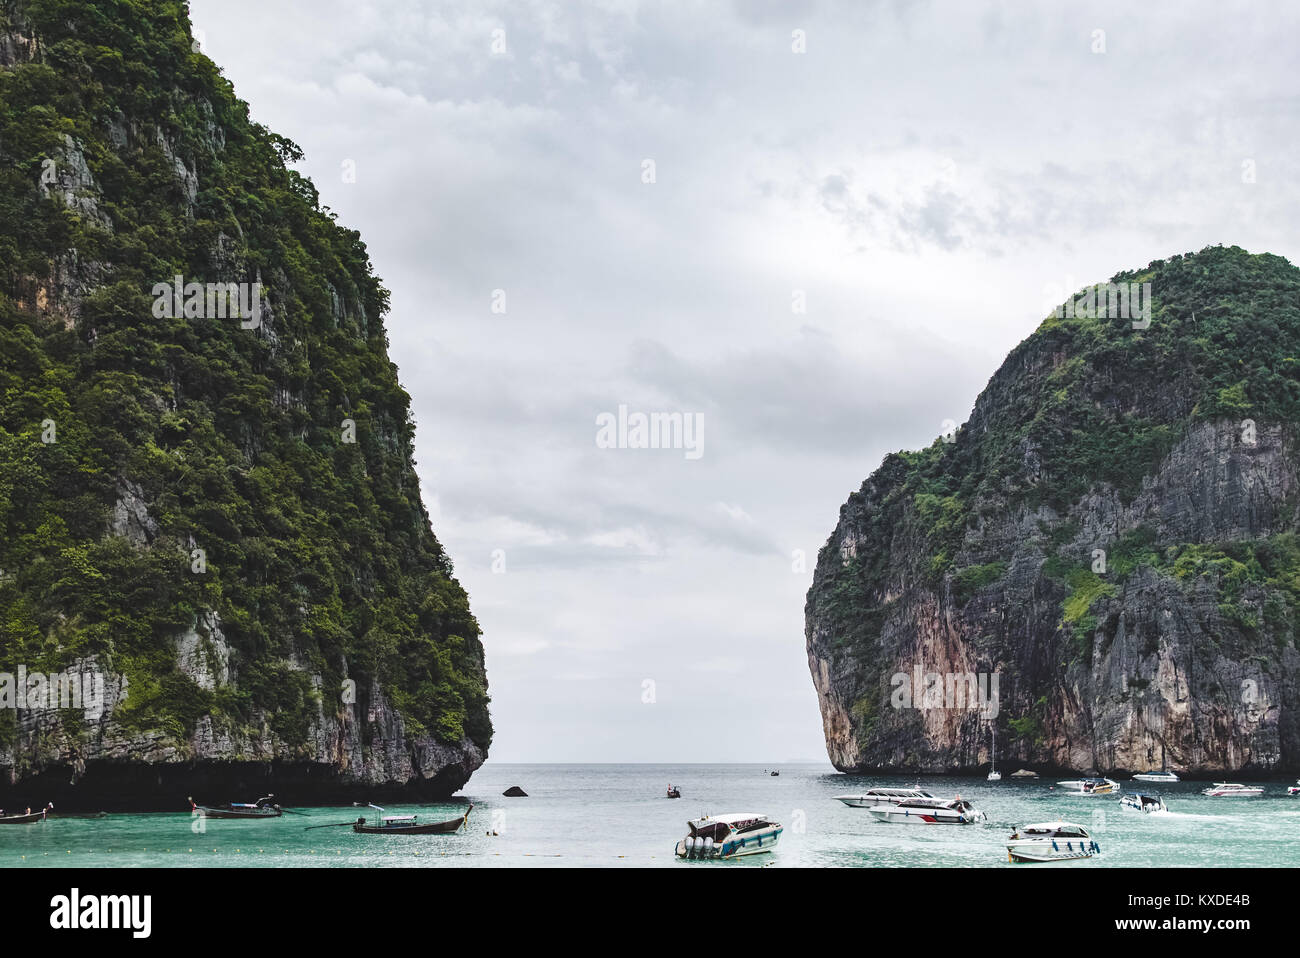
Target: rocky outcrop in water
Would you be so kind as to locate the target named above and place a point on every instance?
(219, 578)
(1108, 545)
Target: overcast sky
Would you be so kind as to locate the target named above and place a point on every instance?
(929, 178)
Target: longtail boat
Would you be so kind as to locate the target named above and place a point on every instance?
(28, 818)
(262, 808)
(407, 825)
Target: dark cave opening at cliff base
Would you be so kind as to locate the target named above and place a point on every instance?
(130, 787)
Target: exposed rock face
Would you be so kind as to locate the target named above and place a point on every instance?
(106, 766)
(131, 518)
(1126, 625)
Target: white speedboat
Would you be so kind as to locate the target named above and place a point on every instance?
(1232, 790)
(1091, 786)
(729, 836)
(1143, 803)
(1156, 777)
(1051, 842)
(882, 796)
(929, 811)
(1293, 790)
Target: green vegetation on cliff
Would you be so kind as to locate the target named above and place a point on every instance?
(126, 159)
(1086, 401)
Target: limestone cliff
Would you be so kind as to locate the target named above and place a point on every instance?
(1111, 534)
(210, 522)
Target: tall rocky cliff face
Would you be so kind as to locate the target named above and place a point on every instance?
(1112, 535)
(210, 523)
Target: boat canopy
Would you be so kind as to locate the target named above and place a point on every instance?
(736, 818)
(719, 827)
(1064, 829)
(887, 793)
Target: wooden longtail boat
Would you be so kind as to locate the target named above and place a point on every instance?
(407, 825)
(263, 808)
(29, 818)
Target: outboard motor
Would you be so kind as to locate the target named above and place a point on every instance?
(697, 847)
(709, 850)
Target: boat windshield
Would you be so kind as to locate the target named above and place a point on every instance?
(718, 831)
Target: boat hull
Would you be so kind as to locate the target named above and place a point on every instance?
(31, 819)
(1155, 777)
(934, 816)
(434, 828)
(430, 828)
(1232, 790)
(227, 813)
(1049, 850)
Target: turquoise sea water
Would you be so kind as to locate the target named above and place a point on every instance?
(616, 815)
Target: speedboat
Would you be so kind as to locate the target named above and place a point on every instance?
(1156, 777)
(1232, 790)
(729, 836)
(1051, 842)
(1293, 790)
(929, 811)
(1091, 786)
(674, 791)
(1143, 803)
(882, 796)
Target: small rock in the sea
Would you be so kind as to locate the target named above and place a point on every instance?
(1024, 773)
(514, 791)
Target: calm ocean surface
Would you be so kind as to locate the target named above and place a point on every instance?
(616, 815)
